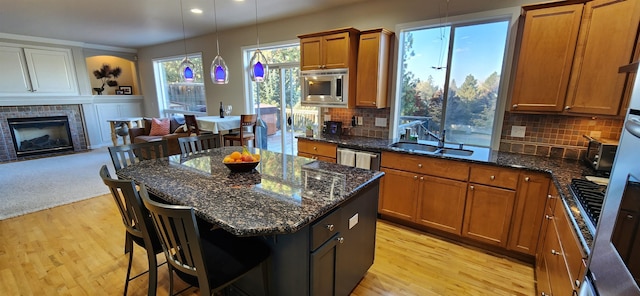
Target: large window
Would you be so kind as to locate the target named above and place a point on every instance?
(176, 96)
(450, 78)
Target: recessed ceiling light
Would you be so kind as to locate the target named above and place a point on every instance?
(196, 10)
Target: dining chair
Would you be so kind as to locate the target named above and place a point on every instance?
(138, 225)
(126, 155)
(196, 144)
(246, 133)
(210, 260)
(192, 124)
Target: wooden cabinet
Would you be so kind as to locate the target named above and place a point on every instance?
(441, 203)
(560, 257)
(317, 150)
(37, 71)
(373, 68)
(399, 194)
(329, 50)
(543, 67)
(560, 66)
(531, 199)
(487, 214)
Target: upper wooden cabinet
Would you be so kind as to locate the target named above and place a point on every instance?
(373, 68)
(329, 50)
(569, 57)
(37, 71)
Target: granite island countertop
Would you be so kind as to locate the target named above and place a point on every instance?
(282, 195)
(560, 170)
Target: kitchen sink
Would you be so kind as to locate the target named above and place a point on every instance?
(431, 149)
(414, 146)
(454, 151)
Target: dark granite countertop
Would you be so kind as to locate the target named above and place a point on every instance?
(561, 170)
(282, 195)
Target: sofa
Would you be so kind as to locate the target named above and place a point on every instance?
(176, 130)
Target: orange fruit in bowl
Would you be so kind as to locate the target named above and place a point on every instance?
(228, 159)
(235, 155)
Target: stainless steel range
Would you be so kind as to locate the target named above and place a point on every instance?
(589, 196)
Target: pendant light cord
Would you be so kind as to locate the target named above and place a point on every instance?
(184, 35)
(257, 35)
(215, 21)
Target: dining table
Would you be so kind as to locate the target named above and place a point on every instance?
(216, 124)
(299, 206)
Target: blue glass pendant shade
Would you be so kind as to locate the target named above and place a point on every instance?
(259, 67)
(186, 70)
(219, 71)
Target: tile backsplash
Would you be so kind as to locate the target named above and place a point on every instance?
(557, 136)
(369, 115)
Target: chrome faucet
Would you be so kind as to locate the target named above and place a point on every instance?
(440, 139)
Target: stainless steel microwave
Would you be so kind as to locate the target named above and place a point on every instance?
(325, 88)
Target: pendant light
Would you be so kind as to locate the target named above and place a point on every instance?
(186, 67)
(219, 69)
(258, 66)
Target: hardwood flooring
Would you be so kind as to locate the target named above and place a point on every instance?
(77, 249)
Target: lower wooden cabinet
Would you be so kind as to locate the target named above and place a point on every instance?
(531, 199)
(441, 203)
(487, 214)
(317, 150)
(399, 194)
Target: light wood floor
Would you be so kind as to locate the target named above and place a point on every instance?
(77, 249)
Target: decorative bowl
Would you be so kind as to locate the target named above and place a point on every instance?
(239, 167)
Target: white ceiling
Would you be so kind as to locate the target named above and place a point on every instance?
(139, 23)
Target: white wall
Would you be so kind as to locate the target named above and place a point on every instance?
(367, 15)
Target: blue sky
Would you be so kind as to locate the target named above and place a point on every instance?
(479, 50)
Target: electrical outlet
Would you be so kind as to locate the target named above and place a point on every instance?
(360, 120)
(595, 134)
(327, 117)
(518, 131)
(382, 122)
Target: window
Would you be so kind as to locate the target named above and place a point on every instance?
(449, 80)
(174, 95)
(278, 98)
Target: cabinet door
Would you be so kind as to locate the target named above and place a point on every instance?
(373, 63)
(543, 285)
(335, 51)
(544, 61)
(51, 71)
(323, 268)
(557, 270)
(606, 42)
(531, 199)
(399, 194)
(311, 53)
(487, 214)
(14, 77)
(441, 204)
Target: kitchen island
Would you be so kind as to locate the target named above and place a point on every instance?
(319, 218)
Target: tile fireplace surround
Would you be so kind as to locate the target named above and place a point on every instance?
(72, 112)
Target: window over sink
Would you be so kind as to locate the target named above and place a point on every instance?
(450, 77)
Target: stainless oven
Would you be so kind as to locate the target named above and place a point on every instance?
(614, 264)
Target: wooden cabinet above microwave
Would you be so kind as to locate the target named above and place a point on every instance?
(329, 50)
(570, 54)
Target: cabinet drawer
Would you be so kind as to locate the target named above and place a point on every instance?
(571, 247)
(317, 148)
(450, 169)
(324, 229)
(321, 158)
(494, 176)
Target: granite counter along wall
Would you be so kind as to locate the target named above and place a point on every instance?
(556, 136)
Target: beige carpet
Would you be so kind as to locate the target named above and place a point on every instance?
(38, 184)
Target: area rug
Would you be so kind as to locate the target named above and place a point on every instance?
(38, 184)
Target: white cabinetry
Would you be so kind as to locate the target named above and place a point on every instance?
(106, 111)
(37, 71)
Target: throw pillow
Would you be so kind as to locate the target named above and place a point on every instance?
(159, 127)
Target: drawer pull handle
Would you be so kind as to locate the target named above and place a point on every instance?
(421, 178)
(419, 165)
(567, 107)
(577, 283)
(526, 179)
(315, 148)
(340, 240)
(415, 177)
(548, 217)
(471, 187)
(330, 227)
(515, 106)
(630, 217)
(549, 196)
(554, 252)
(492, 177)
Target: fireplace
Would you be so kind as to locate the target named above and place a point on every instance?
(40, 135)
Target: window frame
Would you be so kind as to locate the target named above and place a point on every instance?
(163, 110)
(511, 14)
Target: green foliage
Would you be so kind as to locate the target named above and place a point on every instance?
(172, 70)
